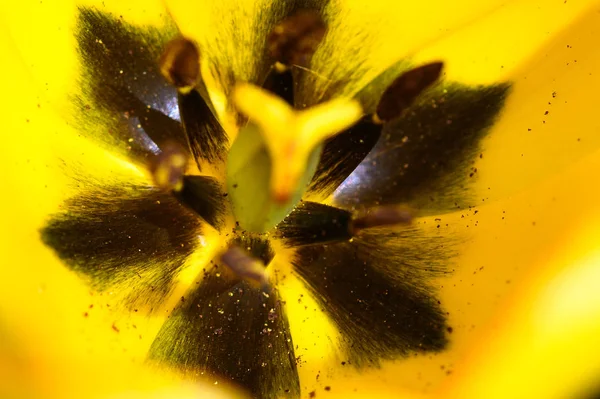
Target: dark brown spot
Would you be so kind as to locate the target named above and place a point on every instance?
(180, 63)
(405, 89)
(295, 39)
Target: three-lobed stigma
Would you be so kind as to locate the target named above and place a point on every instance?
(291, 135)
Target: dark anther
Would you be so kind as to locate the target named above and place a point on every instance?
(244, 265)
(405, 89)
(169, 166)
(381, 217)
(180, 63)
(295, 39)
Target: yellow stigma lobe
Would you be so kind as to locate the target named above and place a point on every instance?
(291, 135)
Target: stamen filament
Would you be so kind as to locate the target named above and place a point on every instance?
(245, 266)
(381, 217)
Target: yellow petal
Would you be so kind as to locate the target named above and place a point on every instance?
(47, 45)
(547, 51)
(364, 39)
(543, 339)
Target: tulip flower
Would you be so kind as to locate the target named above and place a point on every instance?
(300, 199)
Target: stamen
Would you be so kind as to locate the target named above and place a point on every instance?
(292, 135)
(294, 40)
(311, 223)
(169, 166)
(405, 89)
(381, 217)
(245, 266)
(180, 64)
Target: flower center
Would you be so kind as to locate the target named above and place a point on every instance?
(278, 149)
(293, 142)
